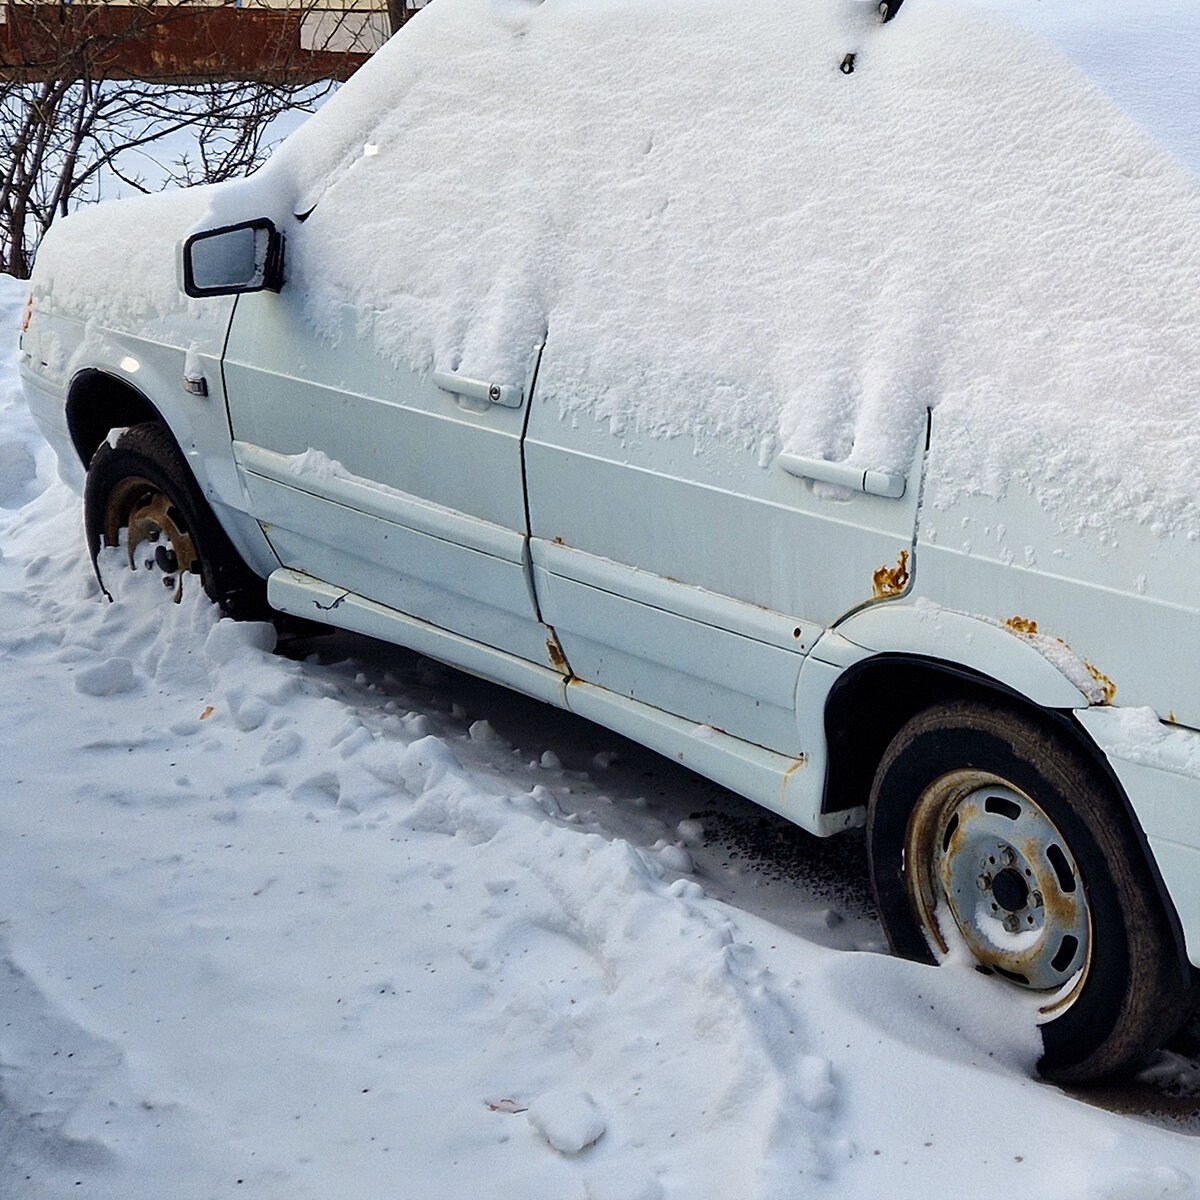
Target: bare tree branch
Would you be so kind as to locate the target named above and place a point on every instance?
(73, 122)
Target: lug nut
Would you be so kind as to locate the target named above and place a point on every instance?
(1007, 857)
(1012, 923)
(984, 882)
(1035, 900)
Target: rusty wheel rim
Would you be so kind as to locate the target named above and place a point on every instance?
(156, 536)
(988, 865)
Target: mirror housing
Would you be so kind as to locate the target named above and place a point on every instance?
(247, 257)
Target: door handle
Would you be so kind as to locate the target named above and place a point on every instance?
(503, 394)
(873, 483)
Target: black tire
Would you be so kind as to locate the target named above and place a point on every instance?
(1022, 842)
(140, 492)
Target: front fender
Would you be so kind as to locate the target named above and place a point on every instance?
(160, 373)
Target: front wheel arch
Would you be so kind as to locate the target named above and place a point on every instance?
(98, 403)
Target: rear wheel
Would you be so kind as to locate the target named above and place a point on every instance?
(987, 831)
(141, 495)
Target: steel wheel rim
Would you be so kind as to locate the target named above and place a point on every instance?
(156, 534)
(983, 854)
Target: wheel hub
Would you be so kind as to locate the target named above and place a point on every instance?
(1009, 890)
(987, 856)
(155, 534)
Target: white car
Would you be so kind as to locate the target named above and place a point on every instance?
(810, 398)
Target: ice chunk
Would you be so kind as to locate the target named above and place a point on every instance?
(109, 678)
(569, 1120)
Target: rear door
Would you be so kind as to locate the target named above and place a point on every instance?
(696, 577)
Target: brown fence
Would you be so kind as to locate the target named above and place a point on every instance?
(189, 41)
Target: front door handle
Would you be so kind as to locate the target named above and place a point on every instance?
(503, 394)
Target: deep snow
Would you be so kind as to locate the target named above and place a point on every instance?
(360, 927)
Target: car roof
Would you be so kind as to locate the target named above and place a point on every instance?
(719, 235)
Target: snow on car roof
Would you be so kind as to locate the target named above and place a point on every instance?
(725, 236)
(721, 235)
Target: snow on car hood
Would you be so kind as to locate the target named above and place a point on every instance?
(115, 264)
(721, 234)
(112, 268)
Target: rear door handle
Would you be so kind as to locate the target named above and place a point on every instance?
(873, 483)
(505, 395)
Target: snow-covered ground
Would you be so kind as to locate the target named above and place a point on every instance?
(352, 925)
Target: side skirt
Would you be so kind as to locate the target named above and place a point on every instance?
(752, 771)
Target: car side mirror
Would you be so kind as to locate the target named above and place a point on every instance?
(247, 257)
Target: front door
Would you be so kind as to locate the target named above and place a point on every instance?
(399, 486)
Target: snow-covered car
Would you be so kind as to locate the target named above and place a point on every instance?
(810, 398)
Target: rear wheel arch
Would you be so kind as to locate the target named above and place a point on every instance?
(874, 699)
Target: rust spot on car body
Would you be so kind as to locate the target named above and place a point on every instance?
(1108, 689)
(1022, 625)
(558, 660)
(891, 581)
